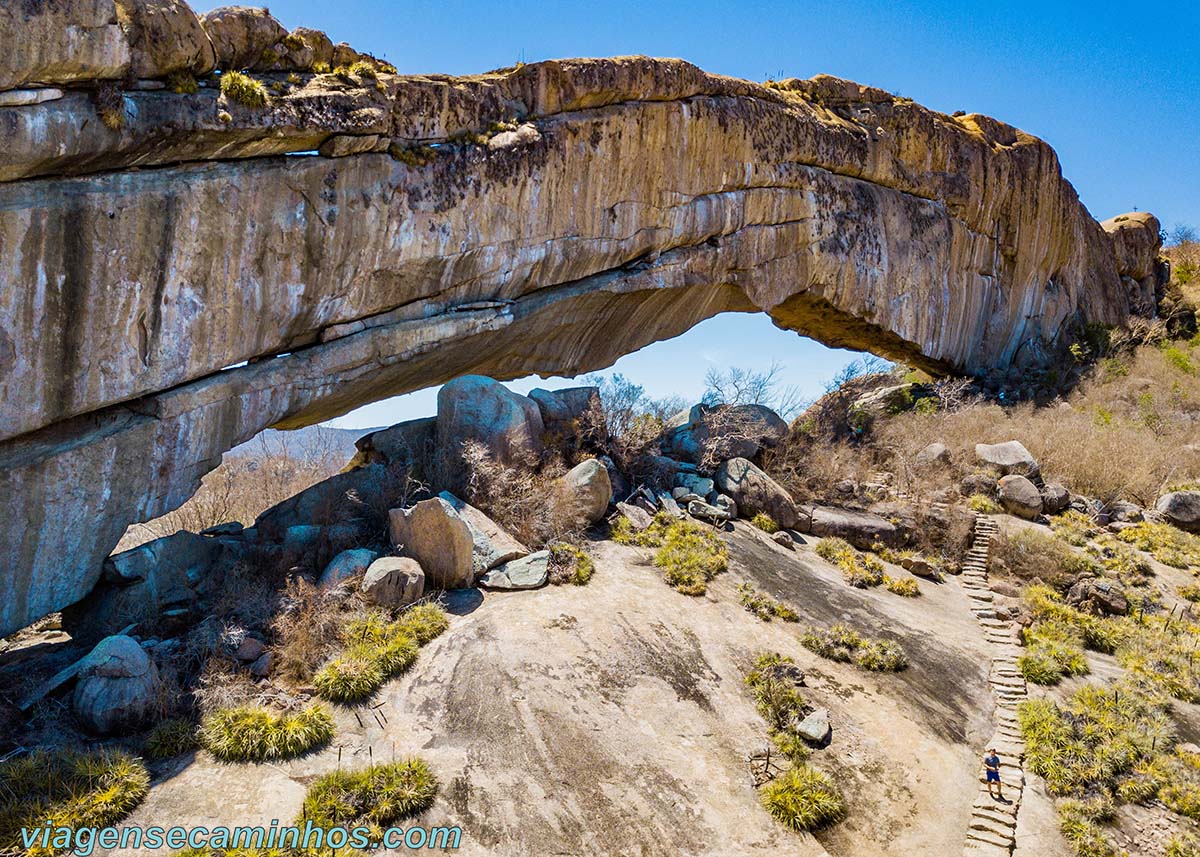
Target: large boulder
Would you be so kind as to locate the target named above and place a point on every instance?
(473, 407)
(61, 42)
(1020, 497)
(1055, 498)
(583, 494)
(493, 543)
(408, 443)
(434, 534)
(570, 413)
(861, 529)
(345, 565)
(755, 492)
(720, 432)
(394, 582)
(118, 687)
(165, 36)
(242, 35)
(530, 572)
(1008, 457)
(935, 455)
(1181, 508)
(1101, 597)
(364, 492)
(892, 399)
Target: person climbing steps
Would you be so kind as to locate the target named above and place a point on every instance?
(991, 765)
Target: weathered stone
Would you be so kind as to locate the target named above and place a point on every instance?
(241, 36)
(1136, 239)
(815, 728)
(1181, 508)
(261, 668)
(1008, 457)
(584, 492)
(118, 687)
(492, 543)
(1098, 596)
(1055, 498)
(25, 97)
(479, 409)
(567, 412)
(979, 483)
(783, 539)
(934, 455)
(1020, 497)
(344, 145)
(61, 42)
(393, 582)
(693, 483)
(165, 36)
(667, 503)
(345, 565)
(529, 572)
(415, 288)
(891, 399)
(435, 535)
(405, 443)
(755, 491)
(1121, 510)
(919, 566)
(638, 518)
(861, 529)
(710, 512)
(317, 42)
(250, 649)
(719, 432)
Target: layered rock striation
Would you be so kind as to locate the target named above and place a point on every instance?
(185, 270)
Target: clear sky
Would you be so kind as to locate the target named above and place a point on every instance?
(1114, 87)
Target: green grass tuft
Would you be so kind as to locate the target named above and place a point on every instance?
(983, 504)
(252, 734)
(841, 643)
(764, 606)
(858, 569)
(904, 586)
(243, 89)
(374, 797)
(67, 788)
(1167, 544)
(765, 523)
(803, 798)
(170, 738)
(570, 564)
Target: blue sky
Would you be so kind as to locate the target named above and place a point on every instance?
(1114, 87)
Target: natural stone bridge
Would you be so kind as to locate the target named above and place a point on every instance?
(175, 283)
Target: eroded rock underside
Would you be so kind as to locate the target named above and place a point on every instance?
(181, 278)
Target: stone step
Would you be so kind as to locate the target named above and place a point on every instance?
(990, 838)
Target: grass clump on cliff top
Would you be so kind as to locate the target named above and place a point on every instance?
(859, 570)
(66, 788)
(841, 643)
(803, 798)
(253, 734)
(690, 555)
(243, 89)
(373, 797)
(170, 738)
(765, 523)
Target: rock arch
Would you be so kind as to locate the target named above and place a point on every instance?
(175, 286)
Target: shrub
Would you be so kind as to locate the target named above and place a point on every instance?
(841, 643)
(570, 564)
(1074, 527)
(373, 797)
(424, 622)
(170, 738)
(110, 104)
(906, 586)
(253, 734)
(1183, 845)
(803, 798)
(1190, 592)
(764, 606)
(859, 570)
(765, 523)
(67, 788)
(1062, 622)
(1079, 822)
(1167, 544)
(1030, 555)
(983, 504)
(1040, 668)
(243, 89)
(182, 83)
(689, 554)
(349, 678)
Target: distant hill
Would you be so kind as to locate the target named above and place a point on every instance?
(312, 442)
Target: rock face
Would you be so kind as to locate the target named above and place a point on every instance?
(754, 491)
(346, 564)
(165, 36)
(1181, 508)
(241, 35)
(118, 686)
(869, 222)
(861, 529)
(492, 543)
(723, 431)
(529, 572)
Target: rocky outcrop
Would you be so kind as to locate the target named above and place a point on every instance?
(479, 409)
(756, 492)
(436, 536)
(583, 493)
(153, 319)
(393, 582)
(1020, 497)
(118, 686)
(1181, 508)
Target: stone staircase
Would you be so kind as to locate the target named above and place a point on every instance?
(993, 825)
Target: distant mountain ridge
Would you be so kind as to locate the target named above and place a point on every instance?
(311, 442)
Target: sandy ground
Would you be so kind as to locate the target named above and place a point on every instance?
(612, 719)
